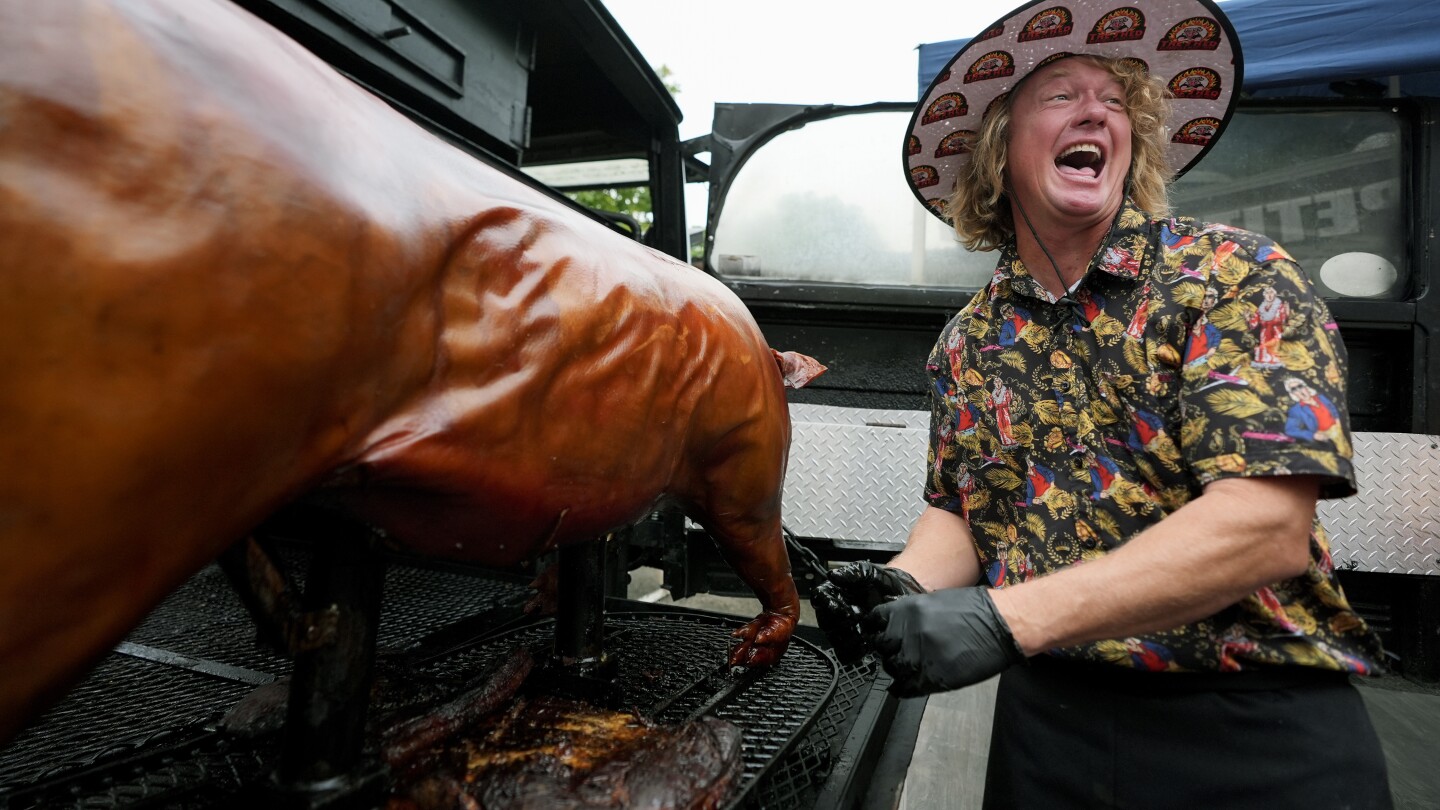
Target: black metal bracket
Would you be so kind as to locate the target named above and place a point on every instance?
(331, 632)
(270, 597)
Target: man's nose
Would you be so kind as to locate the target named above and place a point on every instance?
(1092, 111)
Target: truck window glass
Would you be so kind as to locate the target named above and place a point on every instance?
(1325, 185)
(826, 203)
(829, 203)
(615, 191)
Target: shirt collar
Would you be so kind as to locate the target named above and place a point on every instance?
(1116, 255)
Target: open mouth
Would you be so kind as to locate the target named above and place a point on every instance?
(1082, 159)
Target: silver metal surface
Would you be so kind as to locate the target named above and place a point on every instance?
(1393, 524)
(852, 481)
(856, 477)
(874, 417)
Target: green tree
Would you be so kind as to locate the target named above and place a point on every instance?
(665, 75)
(632, 200)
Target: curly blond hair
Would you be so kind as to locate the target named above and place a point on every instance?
(979, 207)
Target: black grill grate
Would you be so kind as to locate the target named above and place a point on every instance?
(189, 769)
(795, 779)
(140, 733)
(206, 620)
(660, 656)
(124, 706)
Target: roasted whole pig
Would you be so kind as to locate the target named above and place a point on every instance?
(230, 279)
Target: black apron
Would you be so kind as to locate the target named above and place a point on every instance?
(1075, 735)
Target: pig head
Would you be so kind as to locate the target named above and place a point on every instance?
(230, 279)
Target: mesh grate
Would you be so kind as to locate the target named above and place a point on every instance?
(138, 733)
(128, 705)
(102, 718)
(419, 600)
(205, 619)
(660, 655)
(196, 771)
(797, 778)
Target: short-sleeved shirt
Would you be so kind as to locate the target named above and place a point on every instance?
(1188, 353)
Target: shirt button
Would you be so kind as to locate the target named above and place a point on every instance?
(1090, 543)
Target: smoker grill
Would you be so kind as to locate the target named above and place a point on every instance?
(144, 730)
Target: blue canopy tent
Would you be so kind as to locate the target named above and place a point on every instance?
(1304, 45)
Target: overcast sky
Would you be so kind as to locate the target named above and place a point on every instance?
(790, 51)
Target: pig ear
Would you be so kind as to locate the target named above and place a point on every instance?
(797, 369)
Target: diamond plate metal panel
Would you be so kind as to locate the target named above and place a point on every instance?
(874, 417)
(851, 481)
(1393, 524)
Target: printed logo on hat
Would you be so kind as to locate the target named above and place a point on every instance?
(1196, 82)
(949, 105)
(1136, 62)
(1197, 131)
(994, 104)
(993, 65)
(912, 145)
(1119, 25)
(1054, 57)
(1052, 22)
(937, 207)
(956, 143)
(991, 33)
(1194, 34)
(924, 176)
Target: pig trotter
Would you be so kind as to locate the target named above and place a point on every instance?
(546, 584)
(763, 640)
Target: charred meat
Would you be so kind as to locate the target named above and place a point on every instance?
(553, 752)
(489, 748)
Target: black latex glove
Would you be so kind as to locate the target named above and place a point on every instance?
(866, 584)
(939, 641)
(840, 620)
(850, 593)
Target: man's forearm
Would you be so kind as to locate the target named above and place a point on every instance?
(1241, 535)
(940, 551)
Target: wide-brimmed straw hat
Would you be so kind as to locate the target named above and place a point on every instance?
(1189, 44)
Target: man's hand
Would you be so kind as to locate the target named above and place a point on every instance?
(939, 641)
(866, 584)
(851, 592)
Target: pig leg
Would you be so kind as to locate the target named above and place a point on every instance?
(546, 601)
(741, 509)
(763, 640)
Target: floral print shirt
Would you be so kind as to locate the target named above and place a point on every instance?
(1188, 353)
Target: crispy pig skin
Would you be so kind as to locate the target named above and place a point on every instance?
(232, 279)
